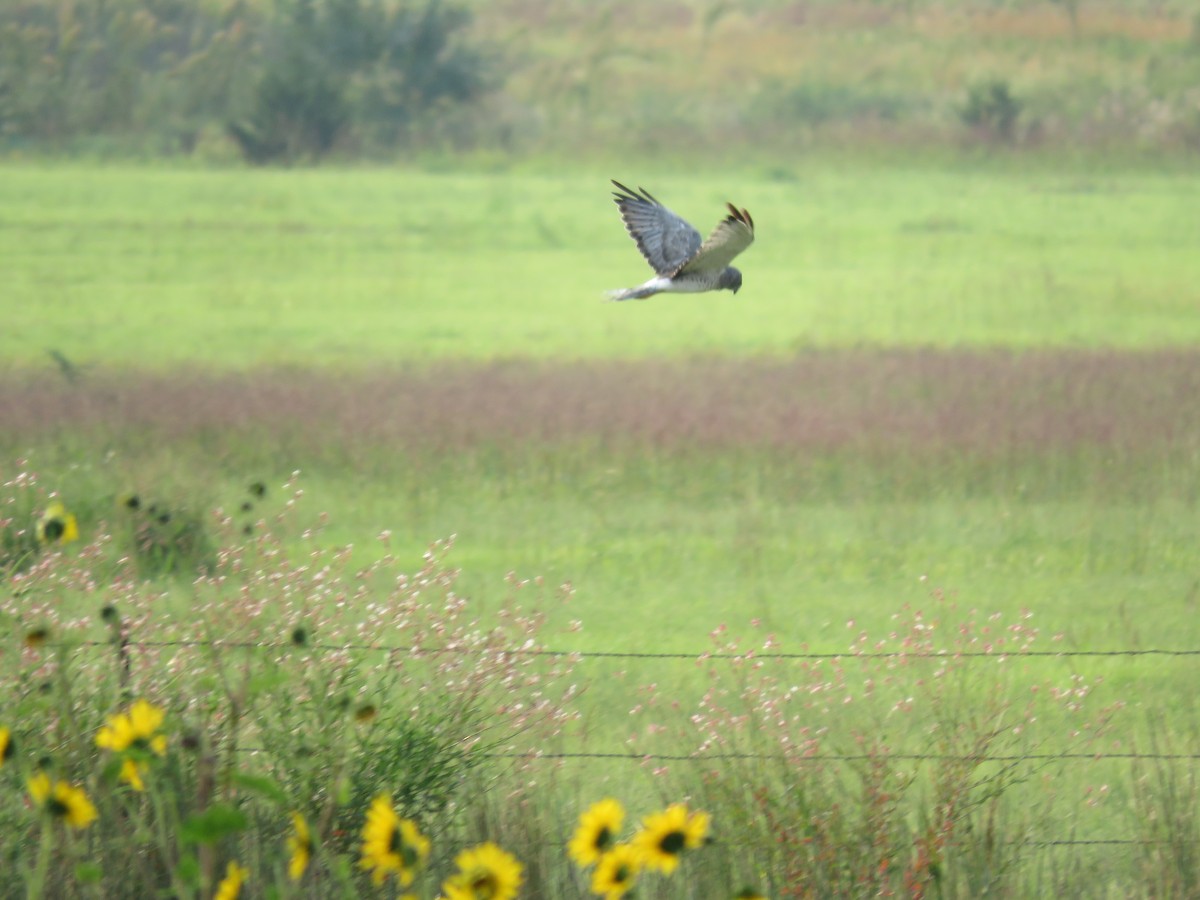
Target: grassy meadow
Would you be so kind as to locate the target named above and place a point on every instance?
(155, 268)
(952, 406)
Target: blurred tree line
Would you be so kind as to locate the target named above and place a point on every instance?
(278, 81)
(285, 81)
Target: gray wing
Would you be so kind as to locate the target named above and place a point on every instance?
(732, 235)
(666, 240)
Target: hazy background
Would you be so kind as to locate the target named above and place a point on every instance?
(301, 80)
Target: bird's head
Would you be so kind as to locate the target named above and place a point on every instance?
(731, 279)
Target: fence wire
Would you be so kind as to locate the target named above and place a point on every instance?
(701, 656)
(124, 645)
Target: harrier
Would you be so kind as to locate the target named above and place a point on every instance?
(681, 262)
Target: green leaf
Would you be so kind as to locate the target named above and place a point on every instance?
(341, 868)
(88, 873)
(262, 785)
(213, 824)
(111, 770)
(188, 870)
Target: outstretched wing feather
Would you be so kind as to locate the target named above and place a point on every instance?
(666, 240)
(732, 235)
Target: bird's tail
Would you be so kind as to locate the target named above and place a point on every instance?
(637, 293)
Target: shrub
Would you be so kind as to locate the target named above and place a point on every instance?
(991, 110)
(116, 68)
(288, 81)
(343, 65)
(818, 103)
(165, 539)
(299, 107)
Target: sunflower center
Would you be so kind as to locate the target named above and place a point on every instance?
(56, 807)
(673, 842)
(623, 874)
(395, 842)
(55, 528)
(483, 885)
(603, 837)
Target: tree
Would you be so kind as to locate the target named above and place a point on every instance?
(332, 67)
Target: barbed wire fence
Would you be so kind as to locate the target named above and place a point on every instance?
(125, 645)
(616, 654)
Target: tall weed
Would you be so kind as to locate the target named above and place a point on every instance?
(919, 762)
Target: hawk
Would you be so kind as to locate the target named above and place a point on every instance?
(681, 262)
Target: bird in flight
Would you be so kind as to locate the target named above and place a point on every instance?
(680, 260)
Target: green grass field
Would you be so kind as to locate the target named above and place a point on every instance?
(158, 268)
(969, 379)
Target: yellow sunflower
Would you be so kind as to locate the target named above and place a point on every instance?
(484, 872)
(665, 835)
(617, 872)
(231, 884)
(131, 772)
(597, 831)
(6, 746)
(391, 844)
(135, 732)
(301, 846)
(57, 526)
(61, 800)
(136, 728)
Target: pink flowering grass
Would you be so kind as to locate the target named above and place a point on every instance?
(991, 403)
(292, 676)
(922, 760)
